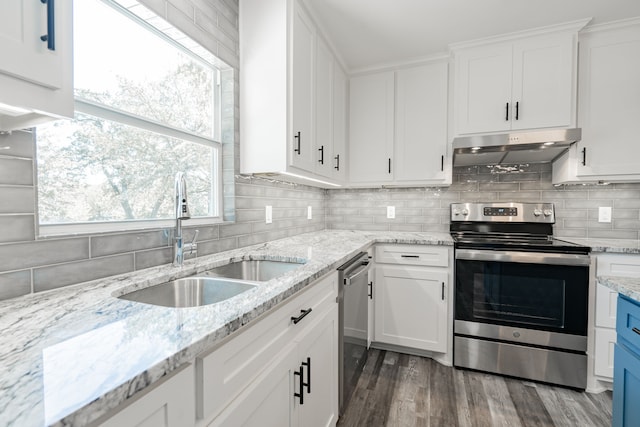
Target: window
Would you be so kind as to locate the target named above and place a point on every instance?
(147, 106)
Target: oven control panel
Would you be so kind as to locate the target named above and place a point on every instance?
(500, 211)
(503, 212)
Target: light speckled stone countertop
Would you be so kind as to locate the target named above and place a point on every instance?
(68, 356)
(621, 246)
(629, 286)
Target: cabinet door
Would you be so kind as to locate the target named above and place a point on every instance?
(267, 402)
(324, 110)
(371, 120)
(483, 89)
(411, 307)
(319, 348)
(22, 53)
(608, 95)
(605, 343)
(302, 153)
(626, 388)
(170, 404)
(339, 160)
(421, 123)
(543, 76)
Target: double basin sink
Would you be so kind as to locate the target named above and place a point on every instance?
(212, 286)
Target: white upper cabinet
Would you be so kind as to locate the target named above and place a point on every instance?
(398, 127)
(420, 149)
(608, 107)
(340, 93)
(36, 75)
(324, 110)
(526, 81)
(371, 106)
(286, 101)
(302, 62)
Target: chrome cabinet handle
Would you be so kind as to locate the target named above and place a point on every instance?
(636, 330)
(507, 113)
(337, 166)
(50, 37)
(321, 150)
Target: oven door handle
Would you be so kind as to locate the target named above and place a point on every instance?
(523, 257)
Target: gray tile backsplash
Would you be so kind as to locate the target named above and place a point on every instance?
(29, 264)
(427, 209)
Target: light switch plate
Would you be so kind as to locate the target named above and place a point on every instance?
(309, 215)
(604, 214)
(391, 212)
(268, 214)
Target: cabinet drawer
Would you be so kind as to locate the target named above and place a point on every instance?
(436, 256)
(606, 306)
(230, 368)
(628, 322)
(618, 265)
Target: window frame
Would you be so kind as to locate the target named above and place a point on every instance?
(109, 113)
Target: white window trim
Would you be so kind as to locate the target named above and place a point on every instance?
(109, 113)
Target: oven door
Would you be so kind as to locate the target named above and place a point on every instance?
(527, 297)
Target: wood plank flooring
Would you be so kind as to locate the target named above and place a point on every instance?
(402, 390)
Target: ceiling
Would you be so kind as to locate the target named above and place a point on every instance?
(374, 33)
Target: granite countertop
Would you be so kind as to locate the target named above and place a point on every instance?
(622, 246)
(629, 286)
(70, 355)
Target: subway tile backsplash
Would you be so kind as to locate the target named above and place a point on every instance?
(427, 209)
(29, 264)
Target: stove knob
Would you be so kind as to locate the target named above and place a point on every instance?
(547, 212)
(456, 212)
(465, 212)
(537, 212)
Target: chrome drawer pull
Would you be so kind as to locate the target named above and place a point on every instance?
(410, 256)
(636, 330)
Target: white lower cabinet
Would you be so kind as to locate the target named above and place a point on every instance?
(622, 265)
(169, 404)
(266, 402)
(277, 373)
(298, 388)
(411, 297)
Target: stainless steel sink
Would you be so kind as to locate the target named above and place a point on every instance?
(189, 292)
(254, 270)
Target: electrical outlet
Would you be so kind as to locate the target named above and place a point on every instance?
(604, 214)
(268, 214)
(309, 215)
(391, 212)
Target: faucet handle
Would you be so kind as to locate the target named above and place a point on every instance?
(193, 246)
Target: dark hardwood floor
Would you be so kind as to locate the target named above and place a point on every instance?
(402, 390)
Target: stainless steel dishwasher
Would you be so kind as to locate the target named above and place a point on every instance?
(353, 297)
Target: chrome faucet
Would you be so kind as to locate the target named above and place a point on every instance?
(182, 212)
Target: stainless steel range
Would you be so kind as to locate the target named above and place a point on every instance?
(521, 295)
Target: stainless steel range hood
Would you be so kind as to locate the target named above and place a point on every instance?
(537, 146)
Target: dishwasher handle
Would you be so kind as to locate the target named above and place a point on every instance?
(364, 267)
